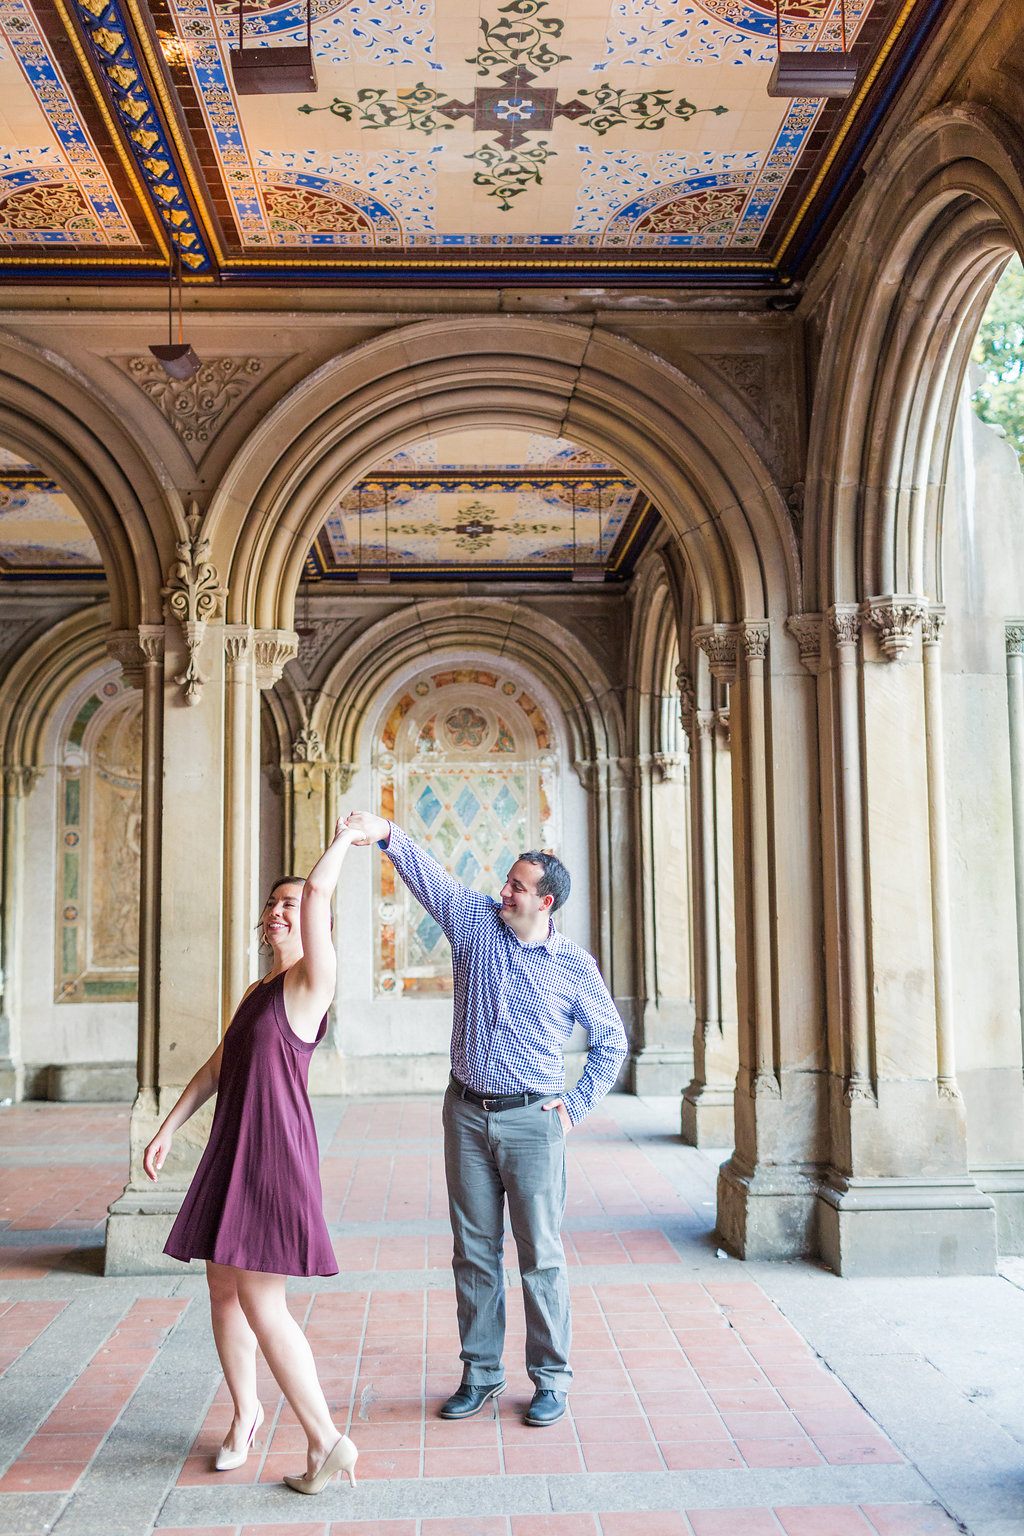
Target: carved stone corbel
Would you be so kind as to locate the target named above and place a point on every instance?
(720, 644)
(272, 648)
(668, 766)
(194, 597)
(894, 618)
(687, 698)
(806, 631)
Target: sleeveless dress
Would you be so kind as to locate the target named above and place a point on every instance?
(255, 1201)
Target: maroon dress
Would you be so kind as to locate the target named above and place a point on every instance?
(255, 1201)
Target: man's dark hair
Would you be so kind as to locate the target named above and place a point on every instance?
(555, 879)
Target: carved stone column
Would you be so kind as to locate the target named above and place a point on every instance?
(707, 1105)
(665, 1061)
(611, 784)
(897, 1197)
(15, 783)
(1015, 708)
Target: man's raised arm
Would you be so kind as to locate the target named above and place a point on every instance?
(447, 900)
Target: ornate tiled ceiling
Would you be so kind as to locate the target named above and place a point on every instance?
(41, 532)
(534, 138)
(486, 502)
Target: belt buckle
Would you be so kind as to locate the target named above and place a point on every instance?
(485, 1104)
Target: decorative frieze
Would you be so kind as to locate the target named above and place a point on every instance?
(194, 597)
(806, 630)
(894, 617)
(720, 644)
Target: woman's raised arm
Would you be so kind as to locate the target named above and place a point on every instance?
(310, 984)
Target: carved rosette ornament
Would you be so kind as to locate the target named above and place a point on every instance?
(806, 631)
(1015, 637)
(194, 597)
(894, 618)
(720, 644)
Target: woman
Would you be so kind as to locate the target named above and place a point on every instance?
(254, 1211)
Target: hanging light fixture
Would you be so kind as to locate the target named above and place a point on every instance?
(812, 74)
(274, 71)
(177, 358)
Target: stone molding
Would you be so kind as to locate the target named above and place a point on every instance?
(194, 597)
(806, 629)
(894, 617)
(720, 644)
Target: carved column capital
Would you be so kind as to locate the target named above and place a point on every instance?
(18, 781)
(341, 776)
(668, 766)
(723, 725)
(1015, 637)
(705, 721)
(844, 623)
(806, 631)
(124, 648)
(687, 698)
(272, 648)
(932, 622)
(238, 643)
(152, 642)
(894, 618)
(754, 634)
(720, 644)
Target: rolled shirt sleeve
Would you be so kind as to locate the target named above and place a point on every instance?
(598, 1015)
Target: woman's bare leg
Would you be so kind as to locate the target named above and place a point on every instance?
(287, 1352)
(236, 1346)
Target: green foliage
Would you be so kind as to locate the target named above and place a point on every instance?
(999, 349)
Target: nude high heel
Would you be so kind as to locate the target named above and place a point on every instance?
(341, 1459)
(228, 1461)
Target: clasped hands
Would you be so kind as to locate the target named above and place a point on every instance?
(363, 828)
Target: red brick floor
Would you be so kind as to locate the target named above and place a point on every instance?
(673, 1375)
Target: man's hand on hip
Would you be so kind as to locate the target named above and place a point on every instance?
(563, 1114)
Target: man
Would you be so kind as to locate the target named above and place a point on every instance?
(520, 986)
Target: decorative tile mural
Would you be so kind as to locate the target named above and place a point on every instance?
(465, 762)
(98, 849)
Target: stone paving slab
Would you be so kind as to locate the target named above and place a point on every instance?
(711, 1397)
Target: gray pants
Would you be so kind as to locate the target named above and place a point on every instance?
(518, 1155)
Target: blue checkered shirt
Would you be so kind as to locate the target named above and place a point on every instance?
(515, 1004)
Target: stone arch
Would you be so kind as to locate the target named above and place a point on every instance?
(547, 376)
(54, 419)
(591, 711)
(932, 241)
(38, 679)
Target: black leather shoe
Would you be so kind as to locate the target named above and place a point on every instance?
(467, 1401)
(548, 1407)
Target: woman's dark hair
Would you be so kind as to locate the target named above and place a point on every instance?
(286, 880)
(555, 879)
